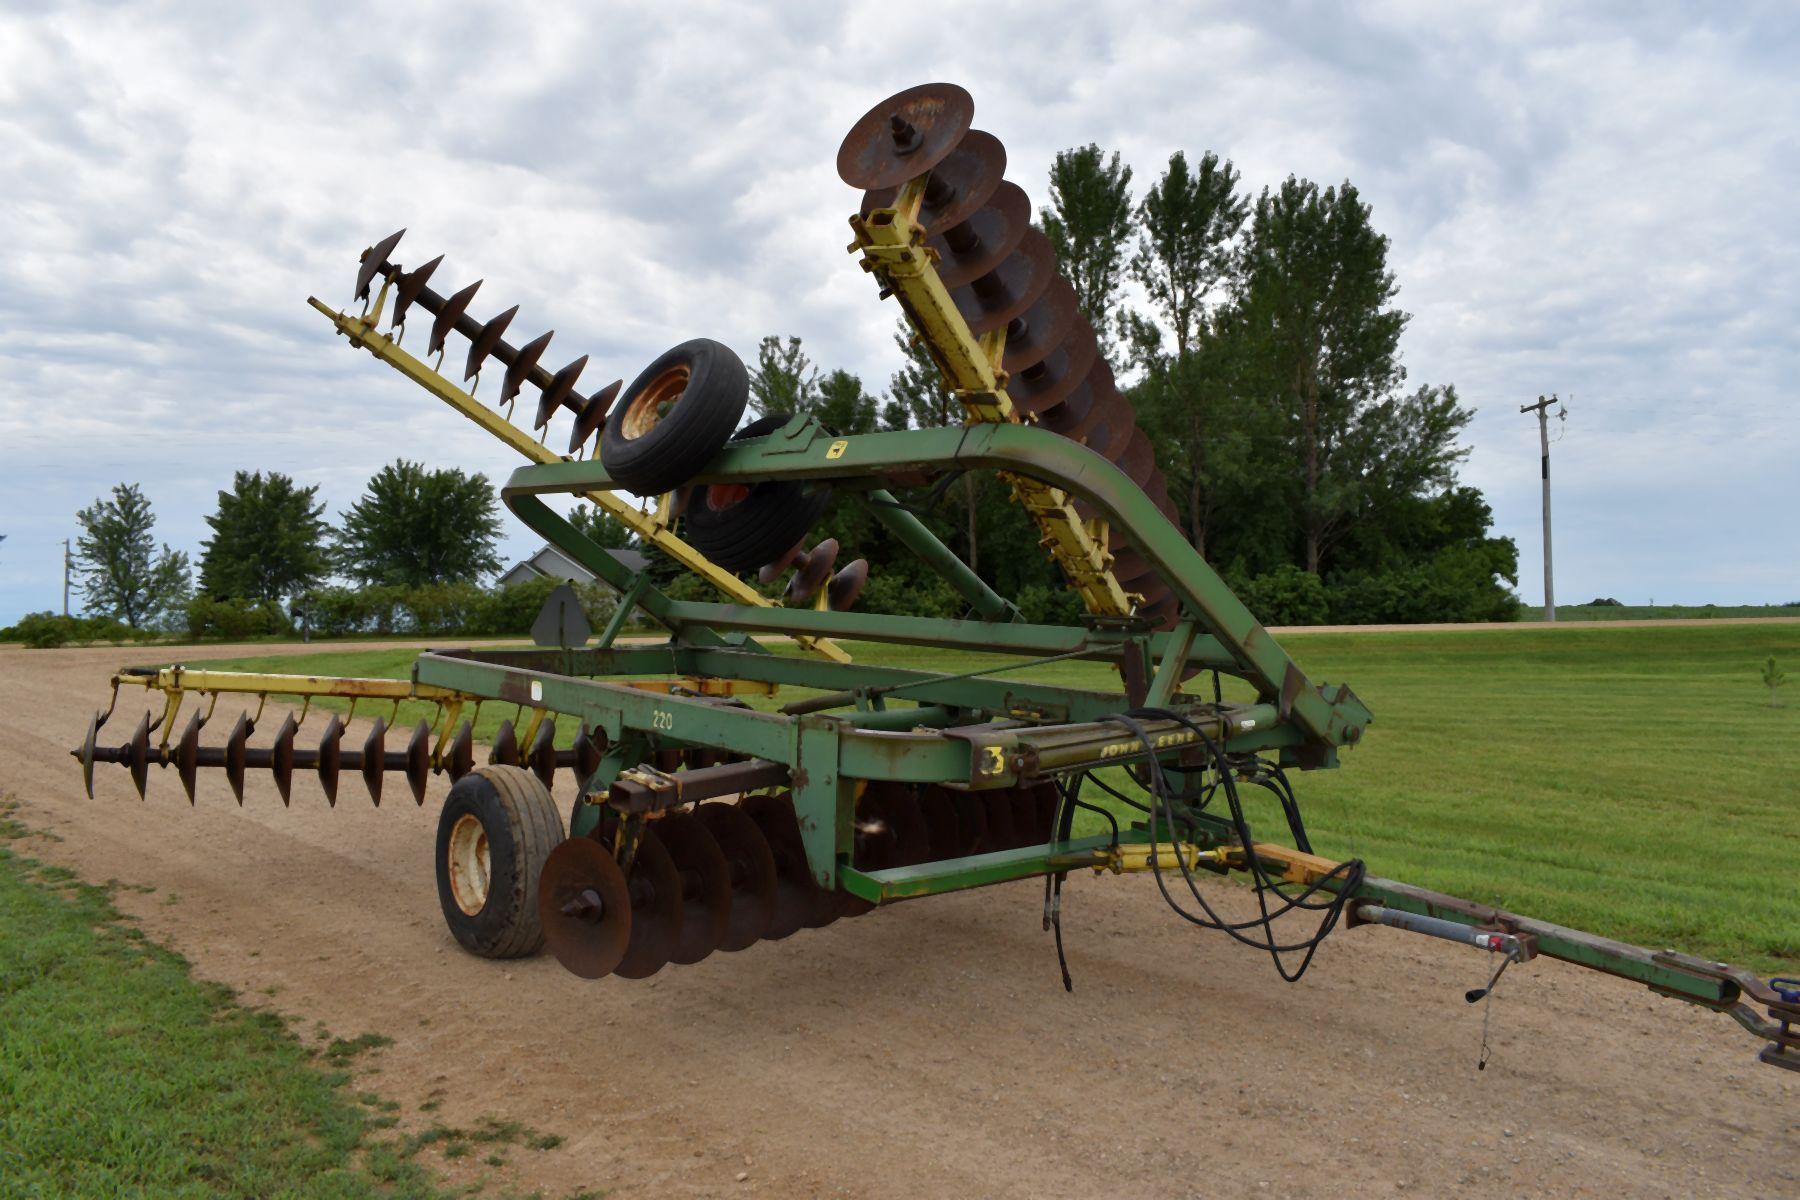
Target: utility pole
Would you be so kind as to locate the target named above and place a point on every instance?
(1541, 408)
(68, 562)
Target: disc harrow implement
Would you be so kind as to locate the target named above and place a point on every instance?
(704, 810)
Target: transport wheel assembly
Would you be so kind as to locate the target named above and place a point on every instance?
(497, 828)
(674, 417)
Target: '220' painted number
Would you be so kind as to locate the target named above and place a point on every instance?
(662, 719)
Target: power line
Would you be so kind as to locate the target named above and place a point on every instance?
(1541, 408)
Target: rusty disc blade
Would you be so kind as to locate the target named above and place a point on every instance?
(970, 250)
(905, 135)
(505, 750)
(1043, 385)
(705, 886)
(584, 906)
(1038, 330)
(588, 752)
(1096, 400)
(372, 259)
(772, 571)
(408, 287)
(374, 760)
(448, 314)
(1009, 289)
(657, 910)
(875, 848)
(281, 757)
(847, 585)
(331, 758)
(1025, 822)
(137, 756)
(519, 370)
(459, 756)
(557, 390)
(1045, 800)
(592, 415)
(89, 744)
(487, 339)
(958, 187)
(812, 573)
(1002, 831)
(1138, 458)
(971, 818)
(942, 828)
(418, 760)
(187, 755)
(912, 840)
(751, 865)
(796, 891)
(235, 754)
(543, 752)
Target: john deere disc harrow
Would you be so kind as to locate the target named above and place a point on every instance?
(708, 812)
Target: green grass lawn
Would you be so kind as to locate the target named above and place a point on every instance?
(1658, 612)
(121, 1075)
(1633, 782)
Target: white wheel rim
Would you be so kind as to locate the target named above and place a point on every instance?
(469, 864)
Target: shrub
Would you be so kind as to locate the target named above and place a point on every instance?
(911, 596)
(47, 630)
(1462, 583)
(210, 618)
(1285, 596)
(1041, 605)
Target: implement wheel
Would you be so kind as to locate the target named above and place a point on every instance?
(498, 826)
(741, 526)
(674, 417)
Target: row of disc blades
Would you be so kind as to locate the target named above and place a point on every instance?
(723, 876)
(331, 758)
(1003, 274)
(487, 340)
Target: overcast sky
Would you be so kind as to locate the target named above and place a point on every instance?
(1600, 203)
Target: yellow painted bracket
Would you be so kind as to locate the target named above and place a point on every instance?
(892, 245)
(648, 526)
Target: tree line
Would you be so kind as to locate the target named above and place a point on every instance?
(415, 542)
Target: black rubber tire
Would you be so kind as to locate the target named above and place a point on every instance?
(763, 525)
(673, 451)
(522, 826)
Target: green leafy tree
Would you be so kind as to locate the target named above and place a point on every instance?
(1089, 222)
(1774, 678)
(268, 540)
(604, 528)
(842, 404)
(784, 379)
(122, 574)
(1316, 313)
(918, 397)
(1188, 223)
(415, 527)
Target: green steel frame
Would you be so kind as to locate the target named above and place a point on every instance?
(976, 729)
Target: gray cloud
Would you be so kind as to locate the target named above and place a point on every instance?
(1594, 201)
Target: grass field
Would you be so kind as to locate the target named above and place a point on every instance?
(1634, 782)
(122, 1075)
(1658, 612)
